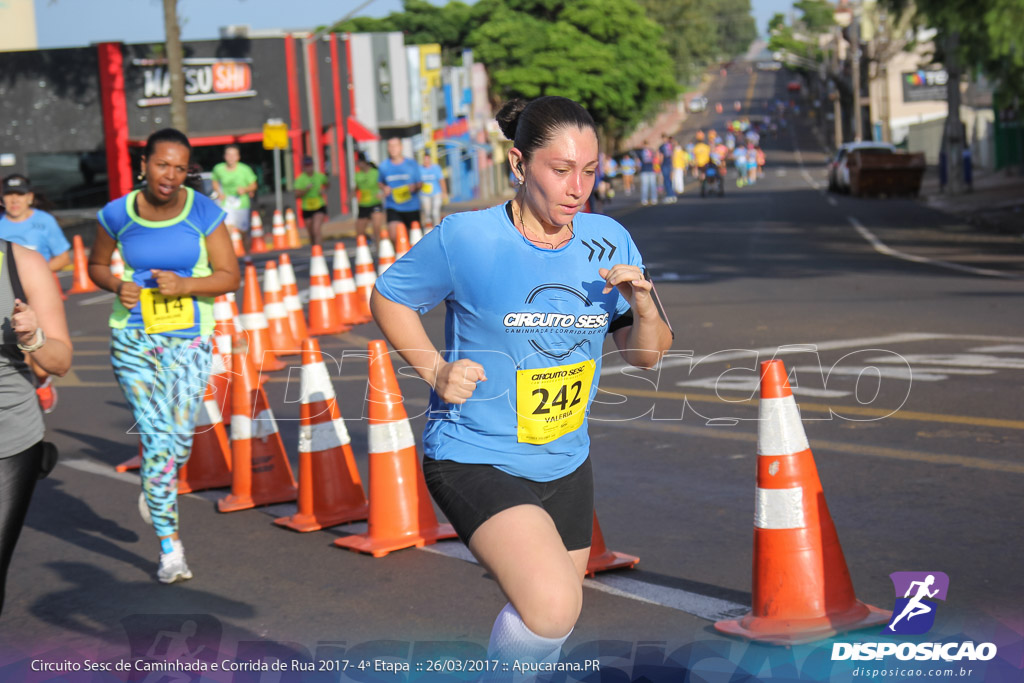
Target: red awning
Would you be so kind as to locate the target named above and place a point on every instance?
(360, 132)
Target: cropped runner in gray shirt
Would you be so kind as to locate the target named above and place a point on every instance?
(33, 324)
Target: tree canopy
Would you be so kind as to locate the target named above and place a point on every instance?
(987, 34)
(619, 58)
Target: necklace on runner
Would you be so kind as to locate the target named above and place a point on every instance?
(522, 229)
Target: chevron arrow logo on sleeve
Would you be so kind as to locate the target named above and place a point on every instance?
(596, 247)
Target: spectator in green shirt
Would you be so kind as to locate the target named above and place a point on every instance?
(368, 194)
(309, 187)
(234, 183)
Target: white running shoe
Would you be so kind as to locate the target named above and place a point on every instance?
(144, 509)
(173, 566)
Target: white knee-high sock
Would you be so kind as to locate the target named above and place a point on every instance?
(511, 641)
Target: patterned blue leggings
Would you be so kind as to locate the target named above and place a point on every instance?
(164, 380)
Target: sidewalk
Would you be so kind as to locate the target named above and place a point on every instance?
(996, 203)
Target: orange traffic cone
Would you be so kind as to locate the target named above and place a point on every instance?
(602, 559)
(81, 284)
(260, 473)
(802, 590)
(209, 464)
(385, 252)
(330, 491)
(415, 233)
(401, 514)
(236, 240)
(258, 240)
(344, 286)
(323, 313)
(401, 241)
(291, 229)
(224, 331)
(254, 322)
(278, 232)
(365, 274)
(117, 264)
(281, 338)
(236, 318)
(292, 303)
(132, 463)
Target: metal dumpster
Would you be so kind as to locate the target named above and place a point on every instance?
(881, 173)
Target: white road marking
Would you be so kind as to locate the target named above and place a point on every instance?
(962, 360)
(749, 385)
(774, 351)
(879, 246)
(1000, 348)
(831, 200)
(884, 249)
(98, 299)
(617, 583)
(702, 606)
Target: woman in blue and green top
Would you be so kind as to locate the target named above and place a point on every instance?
(178, 257)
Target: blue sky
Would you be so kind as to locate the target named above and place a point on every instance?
(67, 23)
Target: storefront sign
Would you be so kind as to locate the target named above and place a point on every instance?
(205, 80)
(924, 86)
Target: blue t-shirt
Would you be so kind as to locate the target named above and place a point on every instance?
(512, 306)
(431, 177)
(400, 178)
(177, 245)
(646, 160)
(628, 166)
(39, 232)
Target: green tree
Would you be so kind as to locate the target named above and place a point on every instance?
(606, 54)
(422, 23)
(986, 33)
(973, 35)
(817, 16)
(735, 24)
(691, 34)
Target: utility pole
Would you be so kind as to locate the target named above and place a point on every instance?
(837, 107)
(954, 142)
(175, 66)
(858, 123)
(883, 67)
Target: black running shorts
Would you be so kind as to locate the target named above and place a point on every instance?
(469, 495)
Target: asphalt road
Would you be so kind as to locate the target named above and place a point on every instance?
(903, 336)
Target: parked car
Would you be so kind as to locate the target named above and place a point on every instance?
(839, 172)
(698, 104)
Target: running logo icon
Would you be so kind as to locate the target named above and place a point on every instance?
(914, 612)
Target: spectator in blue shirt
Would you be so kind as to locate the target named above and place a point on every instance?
(30, 227)
(26, 225)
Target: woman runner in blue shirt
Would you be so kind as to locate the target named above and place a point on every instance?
(531, 289)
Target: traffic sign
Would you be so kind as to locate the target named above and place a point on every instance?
(275, 134)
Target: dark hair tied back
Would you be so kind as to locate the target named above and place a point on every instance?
(167, 135)
(531, 125)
